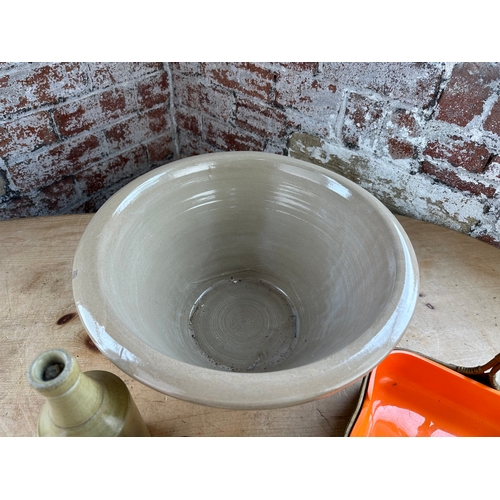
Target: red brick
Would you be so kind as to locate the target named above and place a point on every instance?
(152, 91)
(258, 68)
(93, 179)
(137, 129)
(190, 145)
(95, 201)
(26, 134)
(188, 120)
(56, 82)
(157, 120)
(56, 162)
(492, 122)
(105, 74)
(400, 149)
(219, 103)
(410, 82)
(261, 119)
(160, 149)
(57, 196)
(77, 116)
(79, 151)
(469, 155)
(93, 111)
(33, 87)
(12, 94)
(115, 103)
(405, 121)
(191, 93)
(362, 115)
(488, 239)
(109, 172)
(465, 94)
(18, 207)
(451, 178)
(230, 138)
(123, 134)
(186, 68)
(187, 92)
(247, 78)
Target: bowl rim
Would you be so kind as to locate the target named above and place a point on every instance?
(236, 390)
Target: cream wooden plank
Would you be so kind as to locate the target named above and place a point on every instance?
(457, 318)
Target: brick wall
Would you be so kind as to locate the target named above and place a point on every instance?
(71, 134)
(422, 137)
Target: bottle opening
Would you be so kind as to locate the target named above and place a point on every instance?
(52, 371)
(49, 367)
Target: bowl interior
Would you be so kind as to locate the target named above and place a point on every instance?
(245, 263)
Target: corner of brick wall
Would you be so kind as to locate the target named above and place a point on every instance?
(71, 134)
(422, 137)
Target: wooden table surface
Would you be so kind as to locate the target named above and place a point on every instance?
(456, 320)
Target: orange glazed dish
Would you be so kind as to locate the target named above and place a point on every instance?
(410, 395)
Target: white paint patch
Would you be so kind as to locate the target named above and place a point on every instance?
(417, 195)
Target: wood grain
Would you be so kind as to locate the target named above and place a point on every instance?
(456, 320)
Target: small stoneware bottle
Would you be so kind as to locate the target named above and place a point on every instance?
(95, 403)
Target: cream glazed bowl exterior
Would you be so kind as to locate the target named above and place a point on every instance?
(245, 280)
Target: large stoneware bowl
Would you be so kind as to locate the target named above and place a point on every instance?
(245, 280)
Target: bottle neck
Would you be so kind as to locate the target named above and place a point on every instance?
(72, 397)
